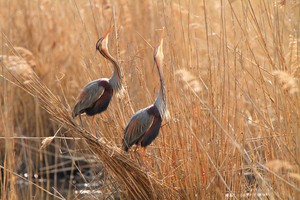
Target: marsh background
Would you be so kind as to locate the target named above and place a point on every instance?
(231, 71)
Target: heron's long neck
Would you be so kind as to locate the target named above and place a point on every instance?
(115, 80)
(160, 101)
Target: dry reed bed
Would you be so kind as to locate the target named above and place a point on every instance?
(232, 78)
(136, 182)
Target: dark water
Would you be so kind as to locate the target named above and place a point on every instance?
(68, 187)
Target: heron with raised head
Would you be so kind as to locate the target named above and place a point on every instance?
(145, 124)
(95, 96)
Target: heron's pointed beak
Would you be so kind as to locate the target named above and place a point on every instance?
(160, 53)
(108, 32)
(105, 37)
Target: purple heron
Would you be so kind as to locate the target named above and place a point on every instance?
(144, 125)
(95, 96)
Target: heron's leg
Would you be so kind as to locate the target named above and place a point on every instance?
(136, 154)
(93, 127)
(93, 119)
(140, 157)
(81, 121)
(143, 152)
(144, 159)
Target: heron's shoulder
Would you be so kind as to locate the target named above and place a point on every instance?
(103, 80)
(140, 118)
(153, 110)
(96, 82)
(142, 112)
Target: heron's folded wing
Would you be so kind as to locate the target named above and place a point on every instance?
(152, 132)
(137, 127)
(88, 96)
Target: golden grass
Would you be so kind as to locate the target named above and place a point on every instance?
(232, 77)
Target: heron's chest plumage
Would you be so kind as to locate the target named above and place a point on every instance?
(153, 110)
(106, 85)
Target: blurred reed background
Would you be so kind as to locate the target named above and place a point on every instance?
(232, 77)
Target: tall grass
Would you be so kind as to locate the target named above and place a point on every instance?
(232, 76)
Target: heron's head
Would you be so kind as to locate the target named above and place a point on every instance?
(103, 41)
(99, 44)
(158, 53)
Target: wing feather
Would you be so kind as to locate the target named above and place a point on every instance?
(152, 132)
(137, 127)
(88, 96)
